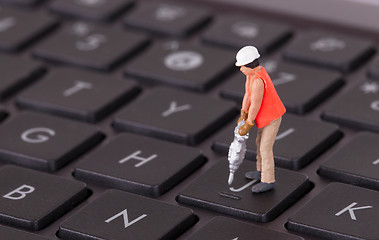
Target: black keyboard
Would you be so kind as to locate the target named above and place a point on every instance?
(116, 118)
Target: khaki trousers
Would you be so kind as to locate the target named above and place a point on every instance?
(265, 156)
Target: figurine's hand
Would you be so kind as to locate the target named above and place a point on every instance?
(246, 70)
(244, 129)
(242, 117)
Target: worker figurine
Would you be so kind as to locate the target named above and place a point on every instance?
(261, 106)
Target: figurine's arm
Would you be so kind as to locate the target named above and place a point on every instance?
(258, 89)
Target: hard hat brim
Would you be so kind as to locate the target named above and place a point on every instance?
(240, 64)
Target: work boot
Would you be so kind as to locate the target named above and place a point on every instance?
(262, 187)
(253, 175)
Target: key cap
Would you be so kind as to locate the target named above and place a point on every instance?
(17, 73)
(236, 31)
(75, 94)
(119, 215)
(7, 233)
(168, 17)
(211, 191)
(227, 228)
(183, 65)
(175, 116)
(300, 88)
(340, 211)
(359, 108)
(27, 3)
(18, 29)
(85, 45)
(298, 142)
(374, 68)
(329, 50)
(140, 165)
(98, 10)
(33, 200)
(343, 165)
(45, 142)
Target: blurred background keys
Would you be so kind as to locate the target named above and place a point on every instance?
(374, 68)
(140, 165)
(21, 3)
(167, 17)
(17, 73)
(20, 28)
(75, 94)
(8, 233)
(356, 163)
(228, 228)
(184, 65)
(359, 108)
(340, 211)
(45, 142)
(3, 114)
(82, 44)
(236, 31)
(32, 200)
(301, 88)
(99, 10)
(299, 141)
(329, 50)
(174, 115)
(118, 215)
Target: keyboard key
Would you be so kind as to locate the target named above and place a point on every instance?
(300, 88)
(17, 73)
(299, 141)
(45, 142)
(3, 114)
(227, 228)
(237, 31)
(168, 17)
(330, 50)
(340, 211)
(343, 165)
(85, 45)
(119, 215)
(99, 10)
(374, 68)
(175, 116)
(183, 65)
(359, 108)
(211, 191)
(75, 94)
(18, 29)
(131, 163)
(27, 3)
(33, 200)
(7, 233)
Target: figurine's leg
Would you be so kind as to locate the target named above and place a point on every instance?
(266, 149)
(256, 174)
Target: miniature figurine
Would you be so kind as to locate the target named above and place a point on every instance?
(262, 106)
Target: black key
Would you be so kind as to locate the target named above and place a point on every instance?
(330, 50)
(175, 115)
(374, 68)
(227, 228)
(184, 65)
(7, 233)
(343, 165)
(85, 45)
(17, 73)
(99, 10)
(168, 17)
(18, 29)
(358, 108)
(340, 211)
(300, 88)
(33, 200)
(119, 215)
(3, 114)
(141, 165)
(27, 3)
(75, 94)
(237, 31)
(299, 141)
(45, 142)
(211, 191)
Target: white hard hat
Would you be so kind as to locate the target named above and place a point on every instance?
(246, 55)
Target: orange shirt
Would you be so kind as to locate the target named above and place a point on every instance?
(272, 107)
